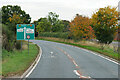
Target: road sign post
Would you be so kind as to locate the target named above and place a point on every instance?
(21, 46)
(28, 46)
(28, 37)
(26, 32)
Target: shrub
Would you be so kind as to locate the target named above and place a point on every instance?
(18, 45)
(63, 35)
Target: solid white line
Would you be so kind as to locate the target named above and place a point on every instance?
(75, 71)
(106, 58)
(93, 53)
(35, 64)
(100, 56)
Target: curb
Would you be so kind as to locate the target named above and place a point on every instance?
(33, 65)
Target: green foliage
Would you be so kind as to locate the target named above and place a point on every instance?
(51, 24)
(57, 25)
(43, 25)
(8, 38)
(18, 45)
(104, 23)
(10, 44)
(54, 34)
(11, 16)
(66, 25)
(0, 16)
(17, 62)
(53, 18)
(9, 11)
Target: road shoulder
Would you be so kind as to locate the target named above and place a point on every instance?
(34, 64)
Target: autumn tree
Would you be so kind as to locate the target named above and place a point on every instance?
(15, 19)
(9, 10)
(80, 27)
(11, 16)
(104, 23)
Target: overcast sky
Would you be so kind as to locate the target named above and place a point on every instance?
(67, 9)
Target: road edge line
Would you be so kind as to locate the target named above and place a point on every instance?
(102, 56)
(34, 64)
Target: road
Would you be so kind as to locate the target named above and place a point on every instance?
(65, 61)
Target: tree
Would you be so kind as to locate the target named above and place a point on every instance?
(104, 23)
(8, 38)
(12, 15)
(0, 16)
(66, 25)
(15, 19)
(53, 18)
(9, 11)
(44, 25)
(80, 27)
(57, 25)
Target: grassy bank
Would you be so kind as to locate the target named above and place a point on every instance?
(108, 51)
(15, 63)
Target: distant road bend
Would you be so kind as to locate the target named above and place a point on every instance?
(65, 61)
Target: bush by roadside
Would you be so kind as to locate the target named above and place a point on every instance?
(63, 35)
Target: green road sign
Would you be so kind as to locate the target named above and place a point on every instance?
(25, 32)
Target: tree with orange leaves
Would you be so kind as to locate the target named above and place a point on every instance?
(80, 28)
(104, 23)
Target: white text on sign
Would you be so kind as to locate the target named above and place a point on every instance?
(19, 30)
(30, 31)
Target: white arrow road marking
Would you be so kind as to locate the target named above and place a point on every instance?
(80, 76)
(77, 72)
(51, 52)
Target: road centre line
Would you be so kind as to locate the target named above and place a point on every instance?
(77, 72)
(97, 54)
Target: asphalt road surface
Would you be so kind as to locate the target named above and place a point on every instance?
(65, 61)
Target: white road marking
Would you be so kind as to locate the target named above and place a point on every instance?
(75, 63)
(101, 56)
(35, 64)
(51, 52)
(80, 76)
(75, 71)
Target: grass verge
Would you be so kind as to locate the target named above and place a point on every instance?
(16, 62)
(107, 52)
